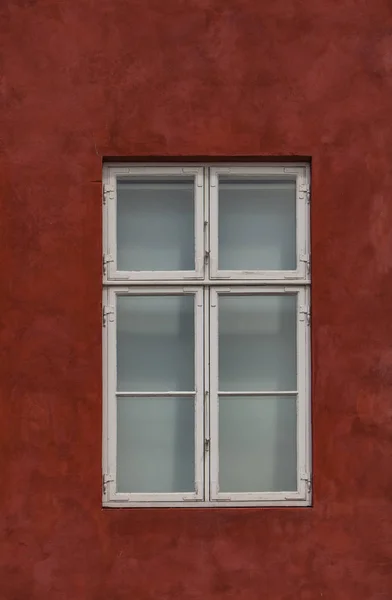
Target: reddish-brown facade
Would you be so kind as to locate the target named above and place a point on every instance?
(84, 80)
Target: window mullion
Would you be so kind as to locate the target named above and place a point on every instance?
(207, 431)
(199, 397)
(213, 396)
(303, 397)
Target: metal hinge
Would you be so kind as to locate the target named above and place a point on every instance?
(304, 191)
(107, 258)
(105, 480)
(304, 313)
(305, 476)
(107, 311)
(108, 192)
(305, 258)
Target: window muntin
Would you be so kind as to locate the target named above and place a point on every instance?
(256, 337)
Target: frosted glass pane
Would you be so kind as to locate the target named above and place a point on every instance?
(155, 343)
(257, 228)
(257, 343)
(257, 444)
(155, 445)
(155, 225)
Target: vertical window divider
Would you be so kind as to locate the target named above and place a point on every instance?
(213, 396)
(199, 394)
(206, 374)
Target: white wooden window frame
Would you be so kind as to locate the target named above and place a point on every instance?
(206, 283)
(110, 176)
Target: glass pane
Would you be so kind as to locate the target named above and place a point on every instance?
(155, 445)
(257, 444)
(155, 343)
(257, 343)
(257, 224)
(155, 224)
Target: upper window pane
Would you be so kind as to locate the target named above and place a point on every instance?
(257, 224)
(155, 343)
(257, 342)
(155, 224)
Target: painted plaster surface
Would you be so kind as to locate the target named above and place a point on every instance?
(86, 79)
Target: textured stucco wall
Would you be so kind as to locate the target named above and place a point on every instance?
(85, 79)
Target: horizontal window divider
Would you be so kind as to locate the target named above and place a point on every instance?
(259, 496)
(207, 282)
(155, 394)
(155, 497)
(205, 504)
(263, 393)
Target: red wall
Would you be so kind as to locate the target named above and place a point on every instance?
(87, 79)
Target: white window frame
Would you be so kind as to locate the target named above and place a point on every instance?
(206, 283)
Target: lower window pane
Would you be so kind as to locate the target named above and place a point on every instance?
(257, 444)
(155, 444)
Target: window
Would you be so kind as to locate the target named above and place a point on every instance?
(206, 335)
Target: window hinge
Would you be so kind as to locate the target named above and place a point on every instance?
(304, 192)
(107, 258)
(107, 311)
(207, 445)
(108, 192)
(305, 258)
(105, 480)
(306, 477)
(304, 313)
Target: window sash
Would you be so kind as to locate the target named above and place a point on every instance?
(301, 392)
(110, 176)
(287, 173)
(111, 394)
